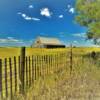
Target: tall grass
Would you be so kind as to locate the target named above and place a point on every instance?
(82, 84)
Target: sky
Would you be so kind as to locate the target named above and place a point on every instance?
(22, 21)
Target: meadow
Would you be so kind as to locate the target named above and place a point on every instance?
(83, 83)
(15, 51)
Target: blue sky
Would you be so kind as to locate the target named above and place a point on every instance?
(21, 21)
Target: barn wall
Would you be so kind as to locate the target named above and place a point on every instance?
(55, 46)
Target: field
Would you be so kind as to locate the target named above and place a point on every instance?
(83, 83)
(10, 52)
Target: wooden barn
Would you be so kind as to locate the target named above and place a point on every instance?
(46, 42)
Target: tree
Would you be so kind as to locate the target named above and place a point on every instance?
(88, 15)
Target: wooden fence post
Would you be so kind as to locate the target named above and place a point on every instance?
(71, 60)
(15, 69)
(6, 82)
(29, 71)
(11, 75)
(19, 64)
(22, 78)
(26, 59)
(32, 68)
(1, 78)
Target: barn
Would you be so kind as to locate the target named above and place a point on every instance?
(46, 42)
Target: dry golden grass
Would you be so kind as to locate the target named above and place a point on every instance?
(82, 84)
(14, 51)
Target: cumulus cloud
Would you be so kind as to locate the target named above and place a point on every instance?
(10, 40)
(72, 10)
(96, 46)
(30, 6)
(61, 16)
(28, 18)
(81, 35)
(24, 15)
(45, 12)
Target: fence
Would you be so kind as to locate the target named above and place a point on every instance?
(19, 73)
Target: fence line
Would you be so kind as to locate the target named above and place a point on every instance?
(19, 73)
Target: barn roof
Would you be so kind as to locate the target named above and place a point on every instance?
(50, 41)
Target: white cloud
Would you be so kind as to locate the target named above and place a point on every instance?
(61, 16)
(13, 39)
(45, 12)
(35, 19)
(96, 46)
(75, 41)
(28, 18)
(81, 35)
(72, 10)
(24, 15)
(30, 6)
(10, 40)
(68, 5)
